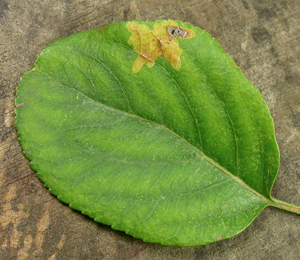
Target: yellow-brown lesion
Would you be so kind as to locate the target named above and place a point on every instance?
(160, 40)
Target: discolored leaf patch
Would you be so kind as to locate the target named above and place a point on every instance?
(160, 40)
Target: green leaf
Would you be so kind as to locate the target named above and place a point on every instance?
(179, 152)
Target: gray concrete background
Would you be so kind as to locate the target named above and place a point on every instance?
(263, 37)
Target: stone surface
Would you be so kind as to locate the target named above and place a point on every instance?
(263, 37)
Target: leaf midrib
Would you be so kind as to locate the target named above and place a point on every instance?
(188, 104)
(208, 159)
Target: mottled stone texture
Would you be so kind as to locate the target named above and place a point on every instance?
(263, 37)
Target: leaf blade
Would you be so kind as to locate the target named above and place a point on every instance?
(82, 81)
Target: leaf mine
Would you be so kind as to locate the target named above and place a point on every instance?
(160, 40)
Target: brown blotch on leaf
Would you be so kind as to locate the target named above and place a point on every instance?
(159, 40)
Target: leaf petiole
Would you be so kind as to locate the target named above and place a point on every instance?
(285, 206)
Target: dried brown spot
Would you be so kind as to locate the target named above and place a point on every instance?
(176, 31)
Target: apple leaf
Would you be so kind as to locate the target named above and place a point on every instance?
(180, 151)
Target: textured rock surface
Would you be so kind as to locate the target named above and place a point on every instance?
(263, 37)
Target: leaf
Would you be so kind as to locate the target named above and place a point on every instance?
(179, 155)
